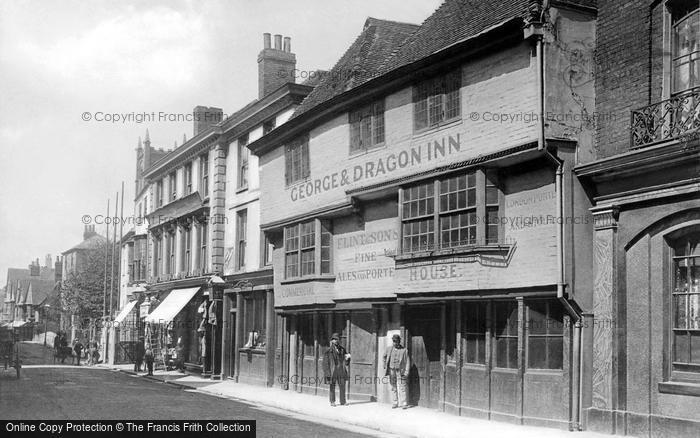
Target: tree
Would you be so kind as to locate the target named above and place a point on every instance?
(82, 291)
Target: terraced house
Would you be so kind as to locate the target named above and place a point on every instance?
(419, 190)
(645, 184)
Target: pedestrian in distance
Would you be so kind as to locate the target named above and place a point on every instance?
(335, 371)
(149, 357)
(180, 356)
(78, 348)
(396, 366)
(65, 350)
(139, 353)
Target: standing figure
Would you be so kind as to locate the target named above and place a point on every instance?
(397, 364)
(78, 348)
(180, 356)
(335, 372)
(149, 357)
(139, 353)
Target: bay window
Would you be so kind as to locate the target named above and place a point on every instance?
(307, 249)
(454, 211)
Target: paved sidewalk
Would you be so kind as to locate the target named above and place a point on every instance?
(413, 422)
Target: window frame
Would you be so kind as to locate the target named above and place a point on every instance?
(254, 320)
(188, 178)
(241, 238)
(692, 57)
(159, 192)
(549, 334)
(203, 246)
(321, 229)
(375, 114)
(683, 371)
(266, 250)
(432, 95)
(243, 163)
(434, 212)
(204, 174)
(296, 161)
(172, 185)
(186, 263)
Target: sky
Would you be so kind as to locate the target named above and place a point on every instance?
(64, 62)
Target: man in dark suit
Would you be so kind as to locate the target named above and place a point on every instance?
(335, 372)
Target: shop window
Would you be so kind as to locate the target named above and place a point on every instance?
(474, 332)
(450, 212)
(307, 248)
(296, 161)
(686, 306)
(367, 127)
(436, 100)
(450, 332)
(506, 334)
(545, 335)
(254, 320)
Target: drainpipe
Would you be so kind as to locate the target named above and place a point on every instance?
(575, 415)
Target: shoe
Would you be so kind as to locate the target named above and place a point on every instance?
(394, 406)
(405, 407)
(333, 404)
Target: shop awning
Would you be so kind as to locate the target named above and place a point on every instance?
(172, 305)
(125, 311)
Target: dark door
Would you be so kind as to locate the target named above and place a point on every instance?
(423, 325)
(362, 350)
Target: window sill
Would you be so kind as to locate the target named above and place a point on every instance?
(680, 388)
(440, 126)
(241, 189)
(364, 151)
(258, 351)
(502, 249)
(324, 277)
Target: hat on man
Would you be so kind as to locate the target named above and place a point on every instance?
(335, 336)
(396, 338)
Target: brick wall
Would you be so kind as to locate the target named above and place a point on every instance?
(629, 42)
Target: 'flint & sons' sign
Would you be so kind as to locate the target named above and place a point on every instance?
(433, 150)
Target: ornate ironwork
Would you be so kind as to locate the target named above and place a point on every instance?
(666, 120)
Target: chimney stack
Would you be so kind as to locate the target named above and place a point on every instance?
(204, 117)
(34, 269)
(89, 232)
(58, 270)
(276, 65)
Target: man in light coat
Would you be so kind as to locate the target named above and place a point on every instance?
(397, 364)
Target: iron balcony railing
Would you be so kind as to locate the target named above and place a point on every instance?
(668, 119)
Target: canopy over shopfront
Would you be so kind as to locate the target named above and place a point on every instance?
(171, 305)
(125, 311)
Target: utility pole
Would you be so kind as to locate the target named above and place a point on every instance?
(104, 290)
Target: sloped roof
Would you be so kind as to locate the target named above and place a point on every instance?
(38, 290)
(454, 21)
(361, 62)
(90, 243)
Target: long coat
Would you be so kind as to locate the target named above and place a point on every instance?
(335, 364)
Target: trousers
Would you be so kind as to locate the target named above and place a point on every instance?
(341, 390)
(398, 387)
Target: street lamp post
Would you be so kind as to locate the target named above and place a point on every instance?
(46, 320)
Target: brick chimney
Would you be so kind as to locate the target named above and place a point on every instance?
(89, 232)
(58, 270)
(34, 269)
(276, 65)
(204, 117)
